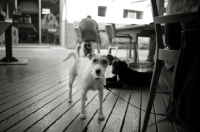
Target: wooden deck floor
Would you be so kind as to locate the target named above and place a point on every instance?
(37, 101)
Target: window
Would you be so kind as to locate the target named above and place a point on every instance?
(45, 11)
(133, 14)
(102, 11)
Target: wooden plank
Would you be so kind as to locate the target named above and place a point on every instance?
(10, 91)
(163, 85)
(133, 114)
(117, 116)
(167, 79)
(39, 98)
(166, 98)
(48, 119)
(11, 79)
(96, 125)
(168, 55)
(27, 79)
(163, 124)
(152, 123)
(5, 76)
(79, 125)
(164, 89)
(29, 93)
(65, 120)
(27, 117)
(179, 128)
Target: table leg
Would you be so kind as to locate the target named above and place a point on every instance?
(8, 44)
(130, 49)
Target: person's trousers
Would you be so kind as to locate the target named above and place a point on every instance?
(183, 108)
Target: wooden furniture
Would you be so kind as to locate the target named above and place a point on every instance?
(23, 36)
(161, 54)
(78, 37)
(134, 31)
(79, 40)
(117, 40)
(7, 28)
(24, 25)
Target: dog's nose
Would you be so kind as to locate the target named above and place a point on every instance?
(98, 71)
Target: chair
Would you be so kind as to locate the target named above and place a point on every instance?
(161, 53)
(79, 40)
(117, 40)
(33, 37)
(23, 37)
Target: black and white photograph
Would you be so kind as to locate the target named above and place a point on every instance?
(99, 65)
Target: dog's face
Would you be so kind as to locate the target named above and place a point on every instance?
(99, 63)
(118, 65)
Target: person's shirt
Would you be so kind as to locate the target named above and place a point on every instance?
(89, 29)
(182, 6)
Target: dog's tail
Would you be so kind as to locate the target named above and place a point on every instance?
(70, 55)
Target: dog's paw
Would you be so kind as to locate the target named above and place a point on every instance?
(101, 117)
(70, 100)
(83, 116)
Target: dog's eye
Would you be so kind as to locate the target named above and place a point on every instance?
(95, 60)
(104, 62)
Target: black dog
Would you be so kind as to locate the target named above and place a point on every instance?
(128, 76)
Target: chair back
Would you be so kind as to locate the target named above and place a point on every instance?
(78, 34)
(110, 31)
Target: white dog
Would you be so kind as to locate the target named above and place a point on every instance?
(91, 74)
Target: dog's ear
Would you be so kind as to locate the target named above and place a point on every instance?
(124, 64)
(90, 55)
(110, 58)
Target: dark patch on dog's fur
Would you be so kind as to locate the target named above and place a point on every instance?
(130, 77)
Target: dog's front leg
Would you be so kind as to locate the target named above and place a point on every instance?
(83, 98)
(100, 112)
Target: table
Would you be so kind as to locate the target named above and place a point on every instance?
(144, 30)
(24, 25)
(7, 28)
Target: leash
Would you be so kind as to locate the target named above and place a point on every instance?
(132, 104)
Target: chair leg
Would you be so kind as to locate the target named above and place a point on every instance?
(98, 46)
(130, 50)
(78, 49)
(116, 50)
(127, 53)
(135, 53)
(109, 49)
(153, 87)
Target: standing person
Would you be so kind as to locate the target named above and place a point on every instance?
(182, 108)
(172, 35)
(173, 30)
(89, 30)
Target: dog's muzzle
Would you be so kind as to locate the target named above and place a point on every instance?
(98, 73)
